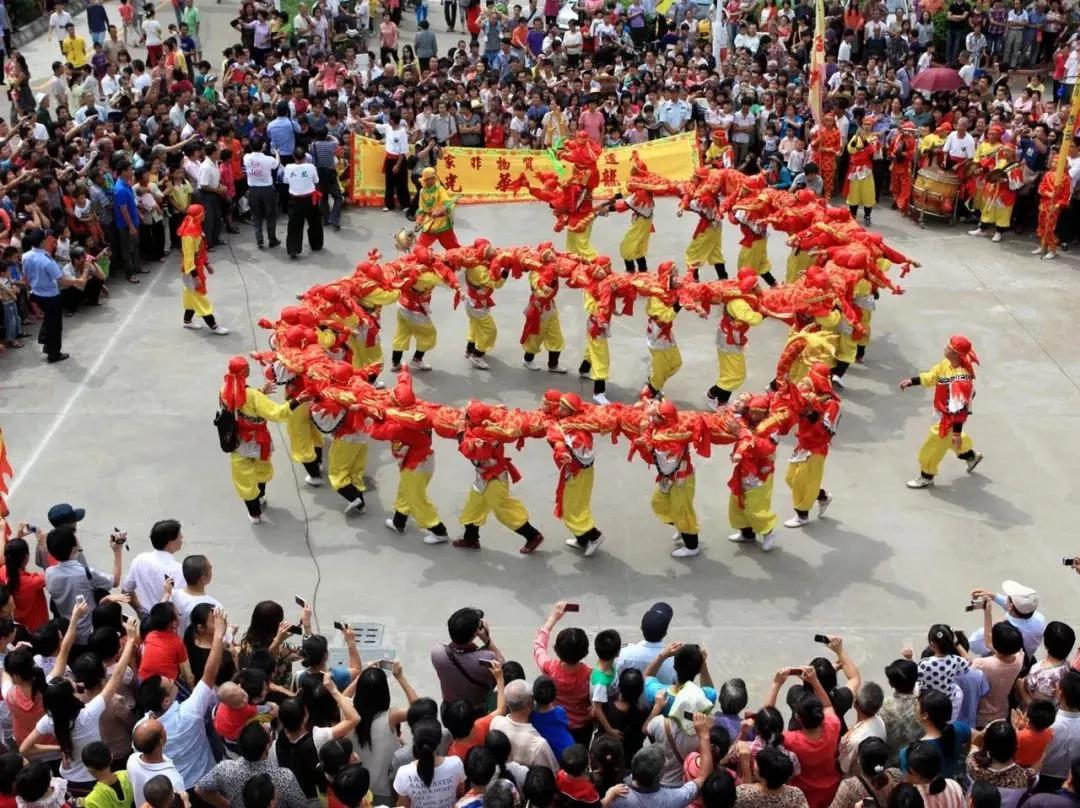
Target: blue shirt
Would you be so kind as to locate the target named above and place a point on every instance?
(974, 686)
(124, 197)
(42, 272)
(282, 133)
(555, 727)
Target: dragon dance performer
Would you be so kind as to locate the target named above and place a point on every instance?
(953, 380)
(739, 314)
(598, 297)
(999, 194)
(542, 327)
(582, 154)
(825, 146)
(859, 187)
(818, 419)
(346, 460)
(706, 243)
(249, 463)
(986, 154)
(194, 267)
(751, 483)
(481, 281)
(1055, 197)
(572, 450)
(483, 443)
(661, 310)
(902, 155)
(409, 429)
(414, 313)
(642, 188)
(435, 212)
(720, 154)
(751, 213)
(372, 291)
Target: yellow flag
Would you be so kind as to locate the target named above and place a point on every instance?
(817, 61)
(1069, 133)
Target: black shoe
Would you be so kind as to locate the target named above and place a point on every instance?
(260, 245)
(866, 220)
(60, 357)
(274, 243)
(293, 256)
(337, 227)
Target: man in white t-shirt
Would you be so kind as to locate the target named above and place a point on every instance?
(959, 145)
(259, 169)
(148, 760)
(146, 577)
(303, 180)
(211, 194)
(527, 746)
(58, 22)
(198, 573)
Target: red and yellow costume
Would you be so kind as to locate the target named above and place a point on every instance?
(482, 278)
(435, 212)
(902, 155)
(1054, 196)
(601, 289)
(419, 274)
(819, 415)
(542, 328)
(825, 147)
(661, 310)
(859, 185)
(371, 290)
(194, 265)
(793, 218)
(582, 154)
(642, 187)
(706, 243)
(720, 154)
(1000, 189)
(751, 483)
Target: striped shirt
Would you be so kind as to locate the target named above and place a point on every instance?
(324, 153)
(951, 797)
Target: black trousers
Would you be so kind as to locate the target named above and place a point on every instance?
(214, 216)
(126, 252)
(332, 200)
(52, 327)
(396, 184)
(301, 210)
(449, 9)
(263, 201)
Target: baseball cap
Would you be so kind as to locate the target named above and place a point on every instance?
(63, 513)
(1024, 598)
(655, 622)
(464, 623)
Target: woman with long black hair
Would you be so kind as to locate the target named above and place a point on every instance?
(949, 737)
(925, 773)
(377, 734)
(431, 781)
(27, 588)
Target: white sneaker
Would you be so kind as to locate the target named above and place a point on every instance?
(390, 524)
(796, 521)
(419, 364)
(1050, 256)
(395, 368)
(255, 520)
(685, 552)
(768, 541)
(823, 504)
(378, 384)
(593, 546)
(996, 238)
(193, 326)
(314, 482)
(556, 369)
(676, 539)
(920, 482)
(739, 538)
(601, 399)
(525, 363)
(479, 363)
(837, 382)
(1037, 251)
(220, 330)
(356, 506)
(573, 543)
(431, 538)
(978, 231)
(976, 460)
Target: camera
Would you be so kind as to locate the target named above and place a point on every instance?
(975, 605)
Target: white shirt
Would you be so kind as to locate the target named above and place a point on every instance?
(185, 604)
(397, 140)
(444, 785)
(152, 31)
(58, 21)
(960, 147)
(141, 82)
(302, 178)
(209, 174)
(259, 169)
(146, 576)
(843, 53)
(140, 772)
(83, 731)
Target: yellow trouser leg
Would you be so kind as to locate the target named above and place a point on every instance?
(676, 506)
(580, 244)
(362, 355)
(756, 256)
(193, 301)
(598, 356)
(756, 513)
(577, 503)
(407, 330)
(550, 336)
(346, 462)
(495, 499)
(635, 243)
(665, 364)
(861, 192)
(797, 264)
(303, 436)
(731, 370)
(804, 479)
(482, 332)
(412, 498)
(247, 474)
(934, 448)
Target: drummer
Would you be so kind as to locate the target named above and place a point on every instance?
(985, 159)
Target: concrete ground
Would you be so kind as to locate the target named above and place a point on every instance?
(124, 429)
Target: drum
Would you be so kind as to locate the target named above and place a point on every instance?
(935, 191)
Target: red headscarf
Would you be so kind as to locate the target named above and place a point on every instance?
(192, 224)
(234, 390)
(961, 346)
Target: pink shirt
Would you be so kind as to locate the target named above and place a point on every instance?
(571, 681)
(593, 124)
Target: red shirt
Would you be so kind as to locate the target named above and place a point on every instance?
(494, 136)
(229, 721)
(162, 654)
(819, 778)
(30, 607)
(460, 747)
(571, 681)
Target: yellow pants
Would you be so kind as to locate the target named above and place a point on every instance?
(598, 356)
(635, 243)
(482, 332)
(362, 355)
(676, 506)
(407, 330)
(797, 263)
(665, 364)
(346, 462)
(550, 337)
(577, 502)
(997, 215)
(580, 244)
(862, 192)
(867, 316)
(247, 474)
(412, 498)
(731, 370)
(804, 479)
(757, 513)
(193, 301)
(705, 248)
(303, 436)
(845, 349)
(756, 256)
(934, 448)
(495, 499)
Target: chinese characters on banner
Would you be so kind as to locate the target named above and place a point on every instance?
(487, 175)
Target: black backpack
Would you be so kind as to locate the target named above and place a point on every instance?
(225, 423)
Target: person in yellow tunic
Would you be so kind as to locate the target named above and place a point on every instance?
(720, 153)
(634, 246)
(661, 310)
(542, 327)
(706, 244)
(1000, 190)
(480, 284)
(953, 380)
(754, 246)
(739, 315)
(751, 484)
(372, 293)
(572, 450)
(818, 419)
(435, 212)
(194, 267)
(250, 465)
(598, 301)
(414, 322)
(346, 459)
(860, 175)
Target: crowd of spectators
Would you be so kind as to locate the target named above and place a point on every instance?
(130, 687)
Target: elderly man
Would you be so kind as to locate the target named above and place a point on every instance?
(148, 761)
(1021, 604)
(527, 745)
